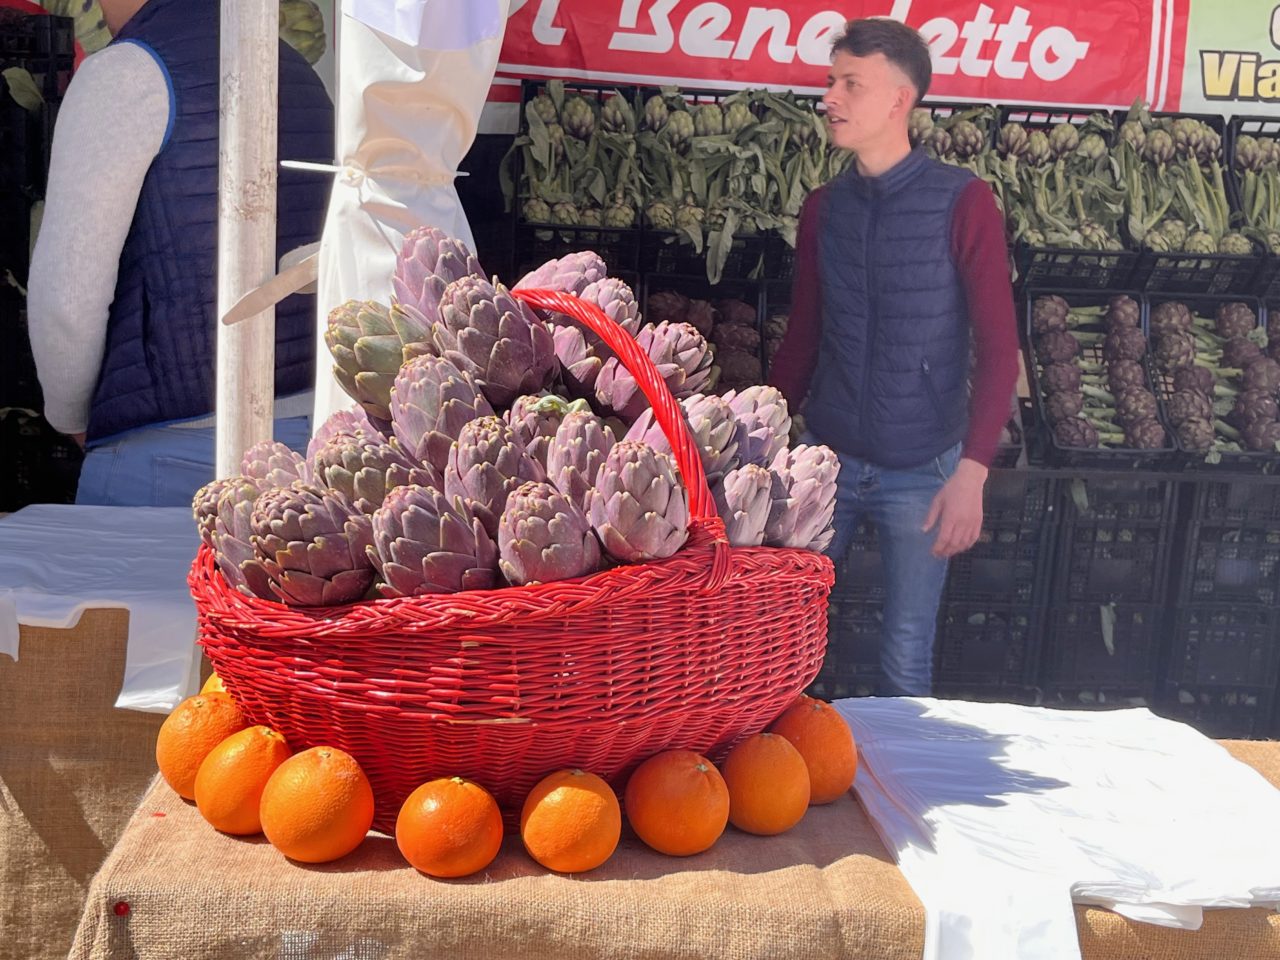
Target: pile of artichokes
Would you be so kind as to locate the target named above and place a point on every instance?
(491, 446)
(1222, 374)
(1091, 372)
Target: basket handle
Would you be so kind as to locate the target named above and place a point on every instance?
(703, 517)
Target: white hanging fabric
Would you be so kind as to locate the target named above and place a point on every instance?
(413, 76)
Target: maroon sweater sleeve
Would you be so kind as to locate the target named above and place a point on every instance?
(979, 252)
(792, 366)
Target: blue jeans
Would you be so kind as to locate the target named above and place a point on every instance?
(897, 503)
(162, 465)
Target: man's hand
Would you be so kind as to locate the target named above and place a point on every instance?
(78, 438)
(957, 510)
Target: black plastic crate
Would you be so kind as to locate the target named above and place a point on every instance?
(1267, 280)
(1234, 713)
(668, 252)
(851, 666)
(1111, 561)
(1209, 274)
(1100, 457)
(1018, 496)
(1111, 499)
(1243, 501)
(42, 45)
(1224, 646)
(1231, 563)
(1102, 647)
(41, 465)
(987, 646)
(1067, 268)
(1007, 563)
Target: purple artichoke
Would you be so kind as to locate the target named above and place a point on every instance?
(744, 499)
(1254, 405)
(570, 274)
(681, 355)
(1184, 405)
(274, 464)
(543, 536)
(431, 402)
(308, 547)
(1123, 311)
(1239, 352)
(1145, 433)
(425, 542)
(364, 470)
(1235, 320)
(1135, 405)
(1063, 406)
(1049, 314)
(1124, 343)
(638, 507)
(353, 423)
(716, 432)
(1175, 350)
(1075, 433)
(576, 453)
(204, 505)
(765, 420)
(1197, 378)
(1263, 436)
(1171, 317)
(1125, 375)
(429, 261)
(488, 333)
(804, 498)
(1262, 375)
(233, 529)
(535, 418)
(617, 302)
(1057, 346)
(485, 465)
(1196, 434)
(1062, 378)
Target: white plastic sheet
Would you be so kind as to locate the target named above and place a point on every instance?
(1001, 816)
(412, 79)
(57, 561)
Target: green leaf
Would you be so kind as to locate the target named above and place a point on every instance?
(538, 137)
(23, 89)
(1107, 617)
(1080, 497)
(555, 90)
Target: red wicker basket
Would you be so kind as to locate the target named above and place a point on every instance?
(505, 686)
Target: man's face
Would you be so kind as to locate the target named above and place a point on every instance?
(867, 99)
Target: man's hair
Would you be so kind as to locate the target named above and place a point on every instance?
(901, 45)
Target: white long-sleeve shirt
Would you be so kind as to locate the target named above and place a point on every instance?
(110, 127)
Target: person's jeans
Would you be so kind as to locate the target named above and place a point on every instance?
(897, 503)
(162, 465)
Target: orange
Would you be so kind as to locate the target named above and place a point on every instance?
(677, 803)
(213, 685)
(230, 781)
(768, 784)
(449, 828)
(571, 821)
(196, 726)
(817, 730)
(317, 806)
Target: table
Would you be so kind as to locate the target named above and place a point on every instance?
(173, 887)
(72, 771)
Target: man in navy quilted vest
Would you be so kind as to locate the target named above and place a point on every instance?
(901, 344)
(122, 292)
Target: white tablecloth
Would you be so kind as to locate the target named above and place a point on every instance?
(58, 560)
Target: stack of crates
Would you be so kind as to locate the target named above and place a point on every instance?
(1223, 662)
(1103, 623)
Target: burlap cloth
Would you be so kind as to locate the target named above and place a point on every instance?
(174, 888)
(72, 771)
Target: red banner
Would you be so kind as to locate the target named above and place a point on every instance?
(1094, 53)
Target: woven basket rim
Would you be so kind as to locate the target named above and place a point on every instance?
(481, 609)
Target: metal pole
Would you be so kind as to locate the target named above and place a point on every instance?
(249, 72)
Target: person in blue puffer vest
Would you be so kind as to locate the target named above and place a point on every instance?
(122, 291)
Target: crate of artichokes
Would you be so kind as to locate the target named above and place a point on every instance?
(539, 539)
(1092, 391)
(1216, 364)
